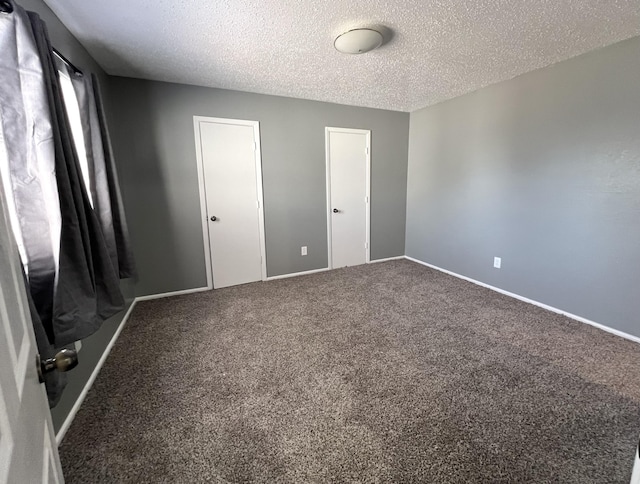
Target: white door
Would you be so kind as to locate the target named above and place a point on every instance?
(635, 475)
(230, 157)
(28, 452)
(348, 172)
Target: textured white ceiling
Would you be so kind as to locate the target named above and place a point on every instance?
(439, 49)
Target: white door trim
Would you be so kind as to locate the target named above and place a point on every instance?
(366, 132)
(635, 473)
(203, 192)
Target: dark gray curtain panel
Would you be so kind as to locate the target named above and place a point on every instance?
(54, 381)
(103, 179)
(88, 288)
(30, 160)
(126, 262)
(73, 253)
(29, 181)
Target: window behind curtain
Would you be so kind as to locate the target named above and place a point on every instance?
(73, 112)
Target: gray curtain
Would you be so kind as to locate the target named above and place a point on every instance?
(28, 144)
(54, 381)
(29, 180)
(103, 179)
(126, 262)
(73, 255)
(88, 288)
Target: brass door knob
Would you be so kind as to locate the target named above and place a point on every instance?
(64, 360)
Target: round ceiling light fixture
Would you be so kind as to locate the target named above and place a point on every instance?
(358, 41)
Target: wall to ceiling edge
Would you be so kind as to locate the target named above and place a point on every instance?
(154, 142)
(544, 172)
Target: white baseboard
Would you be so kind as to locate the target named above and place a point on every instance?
(531, 301)
(83, 394)
(386, 260)
(306, 273)
(296, 274)
(173, 293)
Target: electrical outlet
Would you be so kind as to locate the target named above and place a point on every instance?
(303, 250)
(497, 262)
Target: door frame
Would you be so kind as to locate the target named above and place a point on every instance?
(635, 473)
(203, 191)
(367, 132)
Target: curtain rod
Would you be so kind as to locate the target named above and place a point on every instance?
(76, 71)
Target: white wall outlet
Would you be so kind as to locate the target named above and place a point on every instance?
(497, 262)
(303, 250)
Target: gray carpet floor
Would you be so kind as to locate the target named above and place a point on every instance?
(389, 372)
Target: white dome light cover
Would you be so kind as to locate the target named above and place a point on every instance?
(358, 41)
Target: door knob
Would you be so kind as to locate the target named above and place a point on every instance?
(335, 210)
(214, 218)
(64, 360)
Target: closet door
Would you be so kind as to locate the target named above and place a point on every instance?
(233, 187)
(348, 168)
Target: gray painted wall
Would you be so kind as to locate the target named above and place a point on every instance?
(543, 171)
(154, 140)
(94, 346)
